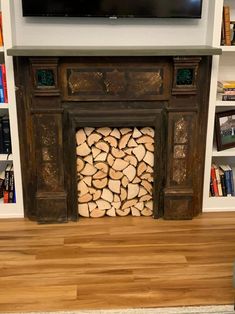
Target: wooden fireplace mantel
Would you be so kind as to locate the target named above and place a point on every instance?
(111, 51)
(163, 87)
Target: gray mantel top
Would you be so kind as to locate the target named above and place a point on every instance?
(92, 51)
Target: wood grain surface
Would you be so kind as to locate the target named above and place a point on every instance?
(124, 262)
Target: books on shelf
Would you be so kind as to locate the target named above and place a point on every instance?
(221, 181)
(7, 185)
(226, 97)
(226, 90)
(5, 135)
(226, 84)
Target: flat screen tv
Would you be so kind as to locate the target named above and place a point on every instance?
(114, 8)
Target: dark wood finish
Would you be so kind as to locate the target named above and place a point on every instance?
(189, 65)
(116, 263)
(123, 80)
(44, 65)
(115, 92)
(118, 118)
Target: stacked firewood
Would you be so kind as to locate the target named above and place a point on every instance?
(115, 171)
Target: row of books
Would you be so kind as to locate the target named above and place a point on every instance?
(221, 181)
(3, 84)
(5, 135)
(226, 90)
(227, 28)
(7, 185)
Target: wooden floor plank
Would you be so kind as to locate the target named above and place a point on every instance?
(125, 262)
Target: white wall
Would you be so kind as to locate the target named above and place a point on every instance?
(105, 32)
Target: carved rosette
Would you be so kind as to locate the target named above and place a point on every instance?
(115, 82)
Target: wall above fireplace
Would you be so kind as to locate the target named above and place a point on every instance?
(62, 90)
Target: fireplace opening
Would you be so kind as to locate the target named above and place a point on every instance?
(115, 171)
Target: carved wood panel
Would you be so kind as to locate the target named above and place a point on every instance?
(115, 81)
(48, 145)
(49, 167)
(181, 149)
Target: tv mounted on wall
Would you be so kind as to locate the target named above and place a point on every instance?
(114, 8)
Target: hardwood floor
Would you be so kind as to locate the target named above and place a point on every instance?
(116, 263)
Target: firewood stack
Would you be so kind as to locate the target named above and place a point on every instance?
(115, 171)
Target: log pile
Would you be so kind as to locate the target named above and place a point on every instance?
(115, 171)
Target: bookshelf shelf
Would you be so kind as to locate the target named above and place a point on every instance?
(4, 106)
(223, 103)
(6, 157)
(214, 204)
(9, 210)
(228, 48)
(228, 152)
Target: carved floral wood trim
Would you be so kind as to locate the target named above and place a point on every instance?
(115, 82)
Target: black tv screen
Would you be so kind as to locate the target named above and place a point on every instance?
(114, 8)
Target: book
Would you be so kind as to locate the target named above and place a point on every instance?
(226, 84)
(218, 182)
(6, 135)
(214, 181)
(1, 31)
(2, 177)
(222, 181)
(225, 97)
(1, 87)
(1, 137)
(7, 184)
(226, 25)
(212, 192)
(231, 179)
(226, 170)
(4, 82)
(229, 89)
(229, 92)
(11, 186)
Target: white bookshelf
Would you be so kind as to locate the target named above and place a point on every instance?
(12, 210)
(223, 68)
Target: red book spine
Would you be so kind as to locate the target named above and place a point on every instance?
(214, 181)
(4, 82)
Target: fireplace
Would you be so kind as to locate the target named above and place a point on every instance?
(58, 97)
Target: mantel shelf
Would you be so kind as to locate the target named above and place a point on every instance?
(59, 51)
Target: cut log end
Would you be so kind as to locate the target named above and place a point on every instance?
(115, 171)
